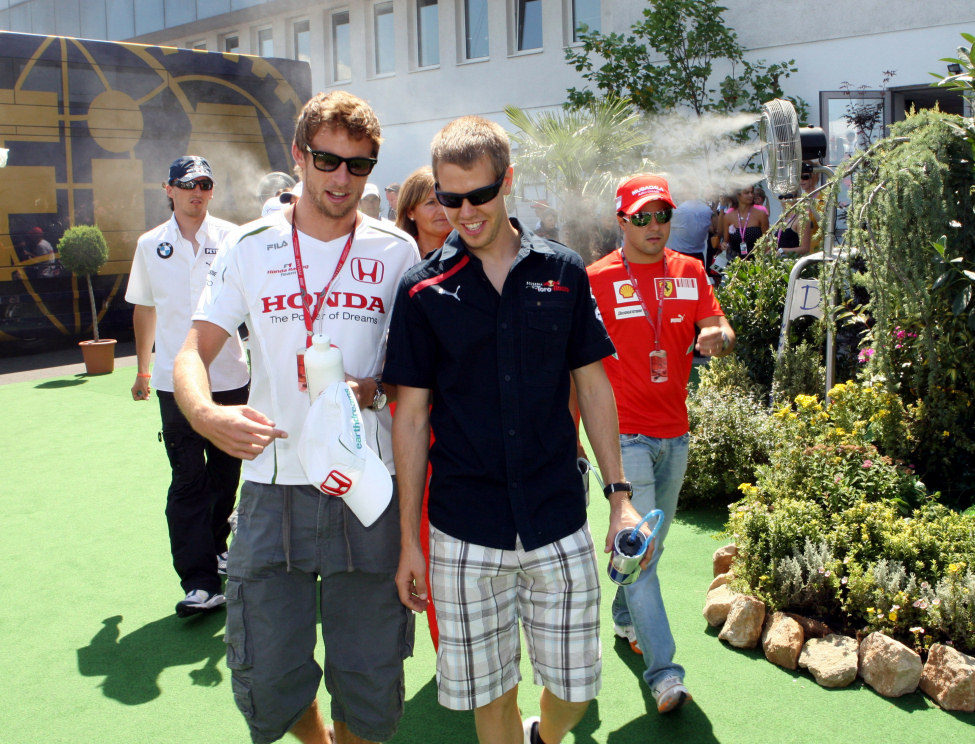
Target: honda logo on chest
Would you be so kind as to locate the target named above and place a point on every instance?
(367, 270)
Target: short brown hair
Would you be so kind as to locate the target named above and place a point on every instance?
(338, 109)
(413, 191)
(466, 140)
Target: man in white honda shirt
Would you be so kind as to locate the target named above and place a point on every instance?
(290, 534)
(169, 271)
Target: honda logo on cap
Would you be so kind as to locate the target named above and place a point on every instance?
(335, 484)
(367, 270)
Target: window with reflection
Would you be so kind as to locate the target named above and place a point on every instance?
(385, 37)
(528, 22)
(584, 13)
(341, 47)
(265, 42)
(427, 33)
(301, 40)
(231, 43)
(475, 29)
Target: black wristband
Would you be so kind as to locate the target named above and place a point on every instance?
(624, 486)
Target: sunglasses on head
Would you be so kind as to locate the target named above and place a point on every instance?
(477, 197)
(329, 161)
(205, 185)
(642, 219)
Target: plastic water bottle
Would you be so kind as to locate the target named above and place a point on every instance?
(323, 365)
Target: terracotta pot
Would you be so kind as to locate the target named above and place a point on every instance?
(99, 356)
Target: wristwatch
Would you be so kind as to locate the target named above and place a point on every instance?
(379, 399)
(624, 486)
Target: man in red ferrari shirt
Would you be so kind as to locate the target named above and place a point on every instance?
(653, 300)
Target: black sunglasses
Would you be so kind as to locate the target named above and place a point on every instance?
(642, 219)
(205, 185)
(329, 161)
(477, 197)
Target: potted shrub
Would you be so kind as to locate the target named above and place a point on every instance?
(83, 252)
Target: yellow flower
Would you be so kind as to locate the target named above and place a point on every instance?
(893, 616)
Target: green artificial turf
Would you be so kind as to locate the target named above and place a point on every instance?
(90, 650)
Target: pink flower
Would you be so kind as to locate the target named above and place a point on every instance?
(901, 334)
(868, 463)
(865, 355)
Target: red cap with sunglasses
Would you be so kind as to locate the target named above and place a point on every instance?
(634, 194)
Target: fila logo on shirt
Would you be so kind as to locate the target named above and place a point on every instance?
(367, 270)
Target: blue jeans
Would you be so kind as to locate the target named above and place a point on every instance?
(656, 469)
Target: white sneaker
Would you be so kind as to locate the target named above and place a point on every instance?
(222, 563)
(670, 694)
(528, 725)
(628, 634)
(198, 601)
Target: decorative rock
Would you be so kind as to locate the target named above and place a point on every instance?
(718, 605)
(949, 678)
(811, 628)
(743, 627)
(782, 640)
(888, 666)
(721, 579)
(723, 557)
(832, 660)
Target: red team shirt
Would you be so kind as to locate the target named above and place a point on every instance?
(654, 409)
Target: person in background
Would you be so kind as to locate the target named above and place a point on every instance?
(392, 197)
(420, 214)
(548, 224)
(798, 234)
(369, 203)
(300, 553)
(689, 229)
(759, 198)
(169, 272)
(743, 225)
(489, 330)
(653, 300)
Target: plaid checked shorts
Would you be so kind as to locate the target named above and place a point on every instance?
(481, 592)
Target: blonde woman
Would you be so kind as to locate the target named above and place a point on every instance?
(419, 213)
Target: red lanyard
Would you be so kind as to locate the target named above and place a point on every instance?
(305, 299)
(646, 313)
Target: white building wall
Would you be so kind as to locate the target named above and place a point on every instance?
(832, 41)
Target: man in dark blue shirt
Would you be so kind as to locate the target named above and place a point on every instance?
(489, 329)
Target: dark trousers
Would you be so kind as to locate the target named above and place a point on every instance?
(201, 494)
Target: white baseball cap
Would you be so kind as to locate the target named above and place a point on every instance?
(371, 189)
(336, 458)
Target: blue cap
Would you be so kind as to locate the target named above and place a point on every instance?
(188, 168)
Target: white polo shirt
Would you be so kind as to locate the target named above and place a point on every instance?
(254, 280)
(168, 276)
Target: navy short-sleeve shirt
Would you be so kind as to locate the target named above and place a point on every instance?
(498, 367)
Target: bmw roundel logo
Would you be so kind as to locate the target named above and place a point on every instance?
(164, 250)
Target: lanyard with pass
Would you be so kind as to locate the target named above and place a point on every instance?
(305, 299)
(309, 315)
(742, 226)
(658, 357)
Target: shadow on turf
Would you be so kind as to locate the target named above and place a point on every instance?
(131, 664)
(689, 724)
(55, 384)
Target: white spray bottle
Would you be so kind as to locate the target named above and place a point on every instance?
(323, 365)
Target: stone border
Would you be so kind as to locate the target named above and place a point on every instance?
(791, 641)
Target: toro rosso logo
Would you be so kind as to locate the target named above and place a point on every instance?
(367, 270)
(335, 484)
